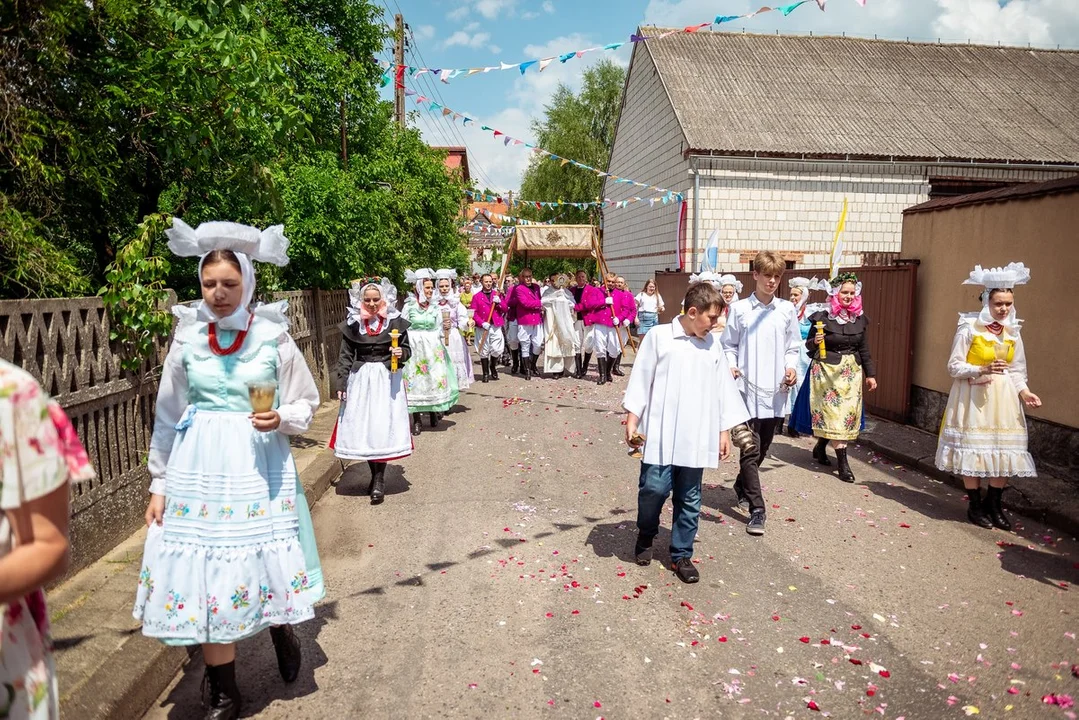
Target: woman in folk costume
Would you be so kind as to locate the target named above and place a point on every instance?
(449, 304)
(984, 432)
(40, 455)
(729, 287)
(833, 402)
(430, 379)
(230, 550)
(373, 424)
(557, 327)
(799, 297)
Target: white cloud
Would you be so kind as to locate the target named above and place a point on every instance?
(548, 7)
(458, 14)
(493, 8)
(530, 15)
(466, 39)
(425, 32)
(1038, 22)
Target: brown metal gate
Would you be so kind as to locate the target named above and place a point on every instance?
(888, 298)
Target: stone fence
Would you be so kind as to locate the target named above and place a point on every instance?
(64, 343)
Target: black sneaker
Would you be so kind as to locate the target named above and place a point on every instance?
(686, 571)
(642, 555)
(756, 523)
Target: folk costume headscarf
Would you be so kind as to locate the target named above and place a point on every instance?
(416, 279)
(387, 309)
(1005, 278)
(725, 280)
(805, 285)
(836, 310)
(248, 243)
(451, 296)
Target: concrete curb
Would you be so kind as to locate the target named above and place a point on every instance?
(130, 680)
(1049, 515)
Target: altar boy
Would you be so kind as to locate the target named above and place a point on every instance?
(682, 399)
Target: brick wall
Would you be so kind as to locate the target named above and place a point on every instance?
(792, 206)
(649, 147)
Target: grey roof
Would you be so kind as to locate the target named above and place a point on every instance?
(839, 96)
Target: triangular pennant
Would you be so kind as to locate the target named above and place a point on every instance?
(473, 71)
(445, 75)
(545, 62)
(720, 19)
(788, 9)
(566, 56)
(525, 65)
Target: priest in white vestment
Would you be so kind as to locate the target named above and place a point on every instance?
(557, 327)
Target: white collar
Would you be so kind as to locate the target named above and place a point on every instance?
(757, 302)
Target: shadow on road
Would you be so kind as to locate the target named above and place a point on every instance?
(256, 670)
(1034, 564)
(617, 540)
(355, 481)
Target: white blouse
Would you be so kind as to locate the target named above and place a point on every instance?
(682, 390)
(649, 303)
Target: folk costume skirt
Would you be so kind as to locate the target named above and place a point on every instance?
(228, 560)
(835, 399)
(429, 377)
(373, 423)
(461, 359)
(984, 431)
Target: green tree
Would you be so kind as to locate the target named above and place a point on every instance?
(581, 127)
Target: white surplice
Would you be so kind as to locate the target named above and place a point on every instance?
(557, 329)
(762, 341)
(682, 390)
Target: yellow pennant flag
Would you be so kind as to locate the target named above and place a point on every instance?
(837, 244)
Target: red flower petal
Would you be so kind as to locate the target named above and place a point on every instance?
(775, 618)
(722, 638)
(812, 705)
(804, 639)
(855, 661)
(686, 605)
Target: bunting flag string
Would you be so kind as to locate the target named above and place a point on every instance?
(510, 218)
(666, 196)
(394, 72)
(540, 204)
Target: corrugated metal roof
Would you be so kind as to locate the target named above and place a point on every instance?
(838, 96)
(1012, 192)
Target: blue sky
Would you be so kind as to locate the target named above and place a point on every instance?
(471, 33)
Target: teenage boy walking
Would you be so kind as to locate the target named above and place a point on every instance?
(681, 398)
(761, 340)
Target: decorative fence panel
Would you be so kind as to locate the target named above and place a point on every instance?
(64, 343)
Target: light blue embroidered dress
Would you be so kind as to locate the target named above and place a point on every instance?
(235, 553)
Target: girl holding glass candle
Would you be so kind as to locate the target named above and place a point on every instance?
(984, 433)
(429, 376)
(230, 549)
(836, 375)
(373, 424)
(449, 303)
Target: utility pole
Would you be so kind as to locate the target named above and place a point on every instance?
(399, 59)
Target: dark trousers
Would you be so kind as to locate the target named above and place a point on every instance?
(748, 484)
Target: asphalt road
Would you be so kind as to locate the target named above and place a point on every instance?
(497, 581)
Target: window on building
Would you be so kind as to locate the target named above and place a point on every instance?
(940, 187)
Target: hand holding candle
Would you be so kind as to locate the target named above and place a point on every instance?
(395, 335)
(820, 338)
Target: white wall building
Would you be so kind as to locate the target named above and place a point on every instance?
(765, 135)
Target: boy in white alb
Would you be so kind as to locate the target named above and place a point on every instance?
(682, 399)
(762, 342)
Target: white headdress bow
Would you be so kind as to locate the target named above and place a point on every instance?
(417, 278)
(1005, 278)
(247, 242)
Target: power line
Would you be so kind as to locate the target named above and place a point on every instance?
(433, 88)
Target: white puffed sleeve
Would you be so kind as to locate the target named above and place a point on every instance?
(462, 317)
(171, 403)
(298, 392)
(731, 337)
(1017, 370)
(958, 367)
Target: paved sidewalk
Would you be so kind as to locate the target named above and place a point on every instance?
(106, 667)
(1046, 498)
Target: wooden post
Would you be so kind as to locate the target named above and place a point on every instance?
(399, 59)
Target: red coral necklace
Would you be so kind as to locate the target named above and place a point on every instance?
(216, 348)
(378, 328)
